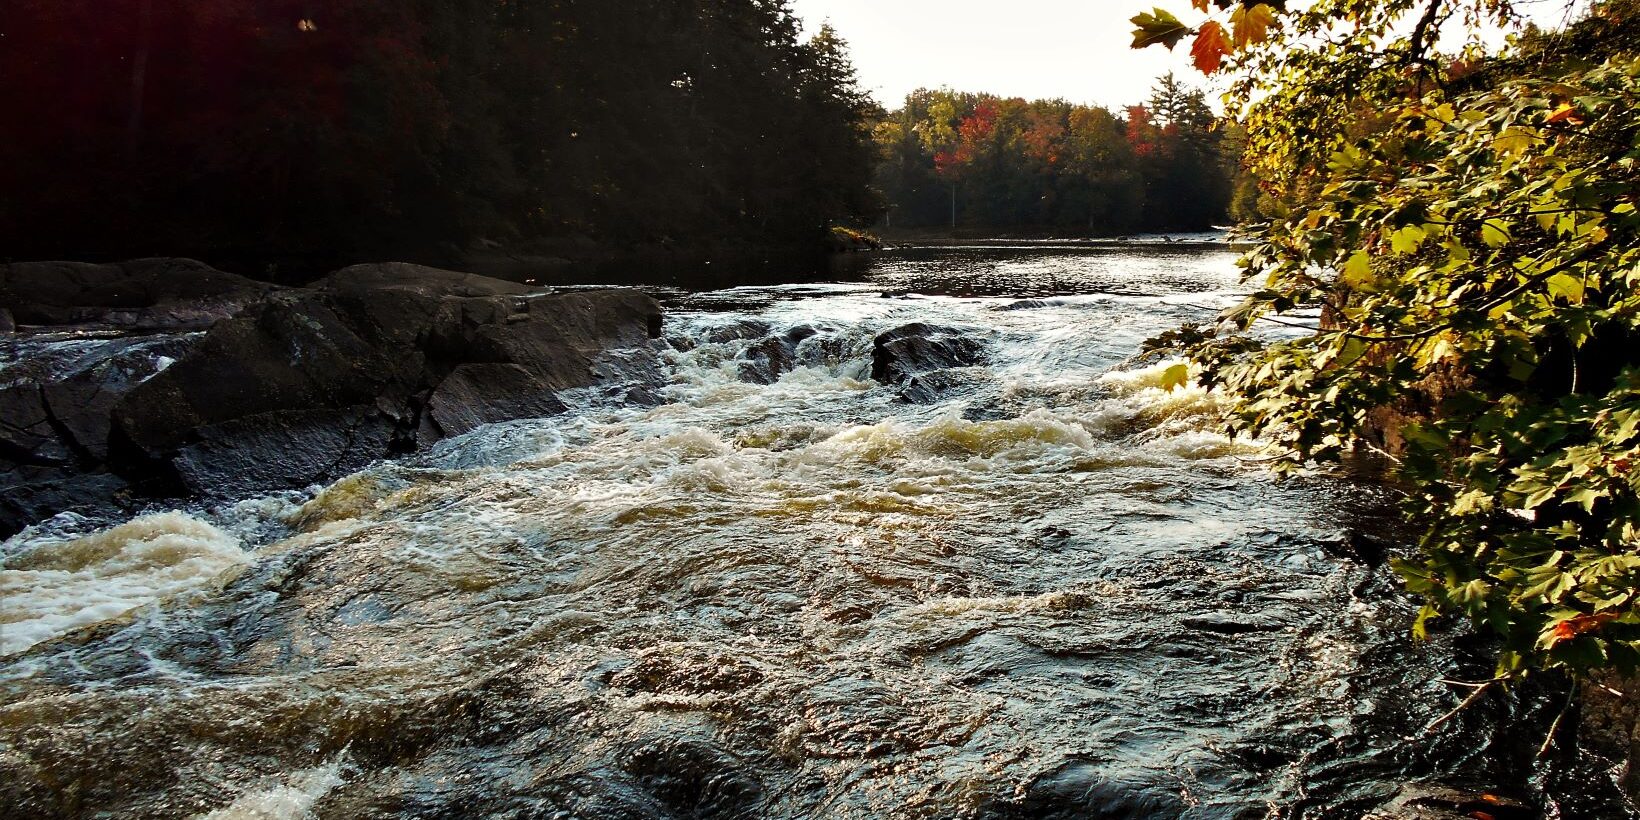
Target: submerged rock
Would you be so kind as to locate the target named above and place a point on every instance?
(908, 350)
(917, 355)
(766, 361)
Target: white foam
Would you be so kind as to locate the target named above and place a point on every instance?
(291, 800)
(53, 586)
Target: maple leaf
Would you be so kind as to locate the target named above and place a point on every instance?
(1573, 627)
(1566, 113)
(1157, 26)
(1251, 24)
(1210, 48)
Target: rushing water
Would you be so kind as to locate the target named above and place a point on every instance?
(1057, 592)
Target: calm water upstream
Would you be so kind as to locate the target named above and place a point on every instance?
(1054, 592)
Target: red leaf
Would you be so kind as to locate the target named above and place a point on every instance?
(1566, 113)
(1211, 46)
(1573, 627)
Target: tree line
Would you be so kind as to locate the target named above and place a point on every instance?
(960, 159)
(415, 128)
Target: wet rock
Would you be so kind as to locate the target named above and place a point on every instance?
(1082, 790)
(285, 448)
(54, 413)
(145, 294)
(1031, 304)
(691, 778)
(764, 362)
(30, 494)
(315, 382)
(934, 387)
(82, 402)
(27, 435)
(474, 395)
(743, 329)
(909, 350)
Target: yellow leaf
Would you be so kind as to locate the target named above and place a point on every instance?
(1176, 377)
(1357, 272)
(1406, 240)
(1251, 24)
(1513, 141)
(1495, 233)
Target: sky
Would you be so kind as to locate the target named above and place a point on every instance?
(1075, 49)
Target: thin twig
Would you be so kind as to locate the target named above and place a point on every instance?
(1549, 739)
(1467, 702)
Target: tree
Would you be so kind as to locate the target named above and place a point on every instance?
(1051, 165)
(1469, 228)
(264, 130)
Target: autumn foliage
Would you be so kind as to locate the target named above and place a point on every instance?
(1054, 166)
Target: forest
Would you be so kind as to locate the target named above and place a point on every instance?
(978, 161)
(269, 130)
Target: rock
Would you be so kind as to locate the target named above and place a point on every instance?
(283, 448)
(374, 361)
(477, 394)
(743, 329)
(143, 294)
(1031, 304)
(1231, 625)
(7, 323)
(27, 434)
(419, 279)
(294, 386)
(936, 386)
(30, 494)
(908, 350)
(81, 403)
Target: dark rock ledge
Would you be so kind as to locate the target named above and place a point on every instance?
(236, 387)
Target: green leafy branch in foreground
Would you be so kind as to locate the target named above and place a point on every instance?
(1476, 256)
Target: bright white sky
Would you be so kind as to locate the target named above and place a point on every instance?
(1075, 49)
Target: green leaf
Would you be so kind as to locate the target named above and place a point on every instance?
(1157, 26)
(1563, 286)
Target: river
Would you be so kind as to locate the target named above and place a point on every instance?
(1055, 590)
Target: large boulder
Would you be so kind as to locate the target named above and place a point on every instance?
(288, 387)
(143, 294)
(926, 361)
(371, 362)
(905, 351)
